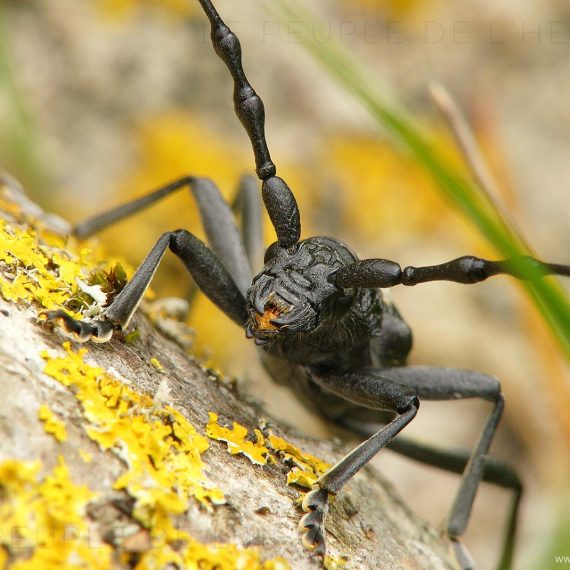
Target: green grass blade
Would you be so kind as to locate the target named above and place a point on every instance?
(547, 294)
(19, 138)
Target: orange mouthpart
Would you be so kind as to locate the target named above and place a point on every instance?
(263, 322)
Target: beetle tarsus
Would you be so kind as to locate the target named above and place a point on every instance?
(312, 524)
(98, 330)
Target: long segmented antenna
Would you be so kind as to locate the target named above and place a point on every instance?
(277, 196)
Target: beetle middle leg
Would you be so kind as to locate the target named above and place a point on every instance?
(400, 390)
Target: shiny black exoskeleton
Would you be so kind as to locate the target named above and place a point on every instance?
(298, 313)
(320, 319)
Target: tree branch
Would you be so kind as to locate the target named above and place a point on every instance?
(121, 477)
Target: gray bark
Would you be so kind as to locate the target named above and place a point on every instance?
(368, 523)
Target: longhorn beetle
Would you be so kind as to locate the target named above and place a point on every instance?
(320, 321)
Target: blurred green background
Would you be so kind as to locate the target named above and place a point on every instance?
(104, 100)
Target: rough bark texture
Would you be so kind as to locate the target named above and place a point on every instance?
(368, 524)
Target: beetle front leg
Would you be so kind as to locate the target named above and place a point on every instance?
(208, 272)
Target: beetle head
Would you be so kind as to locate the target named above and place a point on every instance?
(295, 293)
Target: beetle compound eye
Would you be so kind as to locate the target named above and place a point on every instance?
(270, 252)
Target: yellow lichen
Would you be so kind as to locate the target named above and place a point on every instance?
(35, 268)
(334, 562)
(86, 456)
(255, 451)
(156, 364)
(276, 564)
(52, 424)
(306, 467)
(44, 518)
(163, 454)
(193, 555)
(162, 449)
